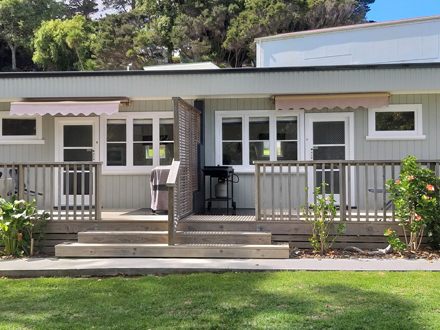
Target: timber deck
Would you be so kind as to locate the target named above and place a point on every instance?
(141, 227)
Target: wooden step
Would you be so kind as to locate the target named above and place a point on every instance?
(89, 250)
(158, 237)
(124, 237)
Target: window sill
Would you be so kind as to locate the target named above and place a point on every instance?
(396, 138)
(22, 141)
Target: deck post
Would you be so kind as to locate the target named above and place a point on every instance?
(98, 192)
(171, 233)
(257, 193)
(343, 192)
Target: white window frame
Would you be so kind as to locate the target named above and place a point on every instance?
(129, 117)
(245, 115)
(22, 139)
(416, 134)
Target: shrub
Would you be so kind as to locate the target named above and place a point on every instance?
(18, 220)
(321, 216)
(417, 204)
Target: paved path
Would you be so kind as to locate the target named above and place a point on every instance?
(36, 267)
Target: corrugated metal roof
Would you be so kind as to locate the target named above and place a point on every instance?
(221, 83)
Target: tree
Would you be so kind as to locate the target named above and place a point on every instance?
(59, 45)
(122, 39)
(120, 5)
(201, 28)
(82, 7)
(18, 19)
(261, 18)
(332, 13)
(161, 16)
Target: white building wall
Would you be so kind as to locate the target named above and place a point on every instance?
(408, 41)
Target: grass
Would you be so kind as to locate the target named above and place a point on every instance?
(284, 300)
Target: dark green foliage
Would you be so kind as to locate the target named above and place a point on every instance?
(82, 7)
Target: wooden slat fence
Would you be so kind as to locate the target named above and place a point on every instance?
(282, 188)
(185, 179)
(66, 191)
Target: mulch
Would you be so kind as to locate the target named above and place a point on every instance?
(426, 254)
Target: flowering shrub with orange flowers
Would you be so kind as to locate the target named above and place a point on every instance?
(417, 205)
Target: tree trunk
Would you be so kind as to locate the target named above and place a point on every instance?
(79, 57)
(133, 4)
(13, 53)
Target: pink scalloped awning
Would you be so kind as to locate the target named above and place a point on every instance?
(64, 108)
(307, 102)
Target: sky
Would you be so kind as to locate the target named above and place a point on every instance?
(390, 10)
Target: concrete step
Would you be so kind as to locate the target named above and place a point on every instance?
(161, 237)
(93, 250)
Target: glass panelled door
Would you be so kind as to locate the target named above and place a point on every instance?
(327, 139)
(76, 142)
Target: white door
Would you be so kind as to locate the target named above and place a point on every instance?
(76, 140)
(329, 136)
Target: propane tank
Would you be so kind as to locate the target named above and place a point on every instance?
(220, 190)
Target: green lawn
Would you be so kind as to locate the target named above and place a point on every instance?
(285, 300)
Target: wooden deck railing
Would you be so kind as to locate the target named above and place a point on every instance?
(67, 191)
(282, 188)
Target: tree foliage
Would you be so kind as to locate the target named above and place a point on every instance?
(120, 5)
(120, 40)
(83, 7)
(62, 45)
(18, 19)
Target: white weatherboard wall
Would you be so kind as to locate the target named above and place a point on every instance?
(407, 41)
(428, 149)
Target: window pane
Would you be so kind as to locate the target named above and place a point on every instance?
(329, 153)
(232, 129)
(143, 130)
(116, 130)
(116, 154)
(258, 151)
(166, 153)
(395, 121)
(142, 154)
(287, 128)
(259, 128)
(78, 135)
(166, 130)
(13, 127)
(78, 155)
(287, 150)
(232, 153)
(329, 132)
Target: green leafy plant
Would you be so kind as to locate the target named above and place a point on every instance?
(394, 240)
(322, 216)
(417, 204)
(17, 223)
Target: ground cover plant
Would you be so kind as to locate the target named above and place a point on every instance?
(282, 300)
(18, 220)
